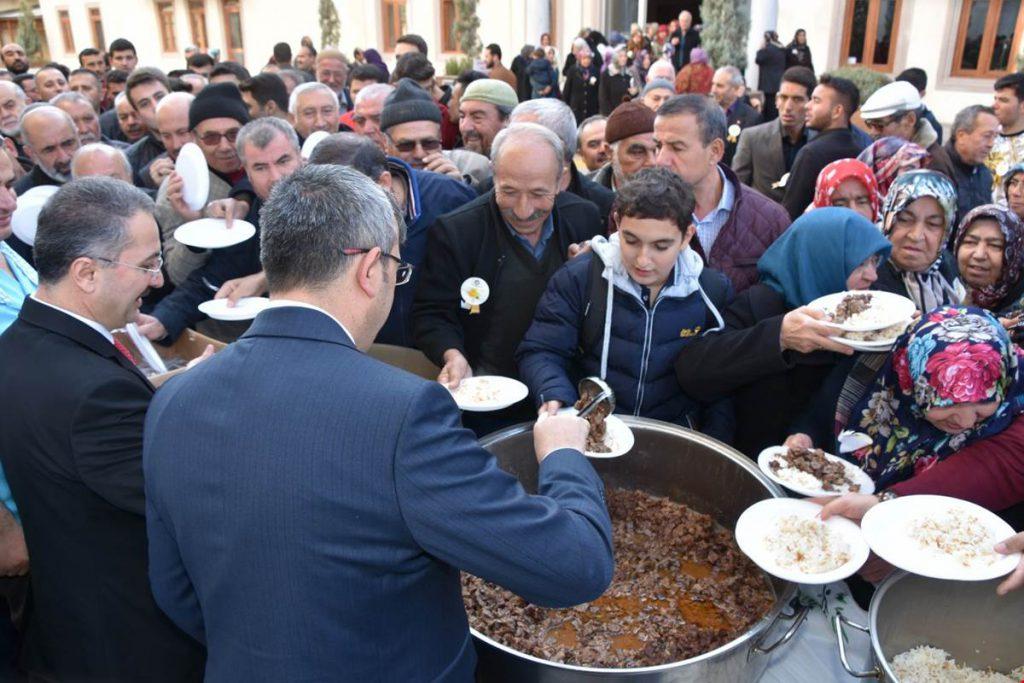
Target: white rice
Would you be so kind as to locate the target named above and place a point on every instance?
(956, 535)
(804, 480)
(807, 545)
(926, 664)
(476, 390)
(890, 332)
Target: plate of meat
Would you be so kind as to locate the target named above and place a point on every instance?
(609, 436)
(863, 311)
(813, 472)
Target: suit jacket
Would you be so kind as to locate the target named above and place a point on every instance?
(759, 160)
(826, 147)
(318, 534)
(743, 116)
(72, 450)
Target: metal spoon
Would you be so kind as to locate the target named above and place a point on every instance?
(601, 392)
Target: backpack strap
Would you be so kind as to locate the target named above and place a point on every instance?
(596, 306)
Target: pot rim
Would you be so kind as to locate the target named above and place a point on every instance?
(758, 629)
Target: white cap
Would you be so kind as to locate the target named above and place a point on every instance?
(890, 99)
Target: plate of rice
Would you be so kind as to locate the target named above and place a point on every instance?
(787, 538)
(939, 537)
(488, 392)
(926, 664)
(864, 311)
(813, 472)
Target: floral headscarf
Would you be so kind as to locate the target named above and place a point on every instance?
(890, 157)
(928, 289)
(992, 297)
(833, 175)
(953, 355)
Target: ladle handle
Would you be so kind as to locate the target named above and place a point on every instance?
(837, 622)
(799, 614)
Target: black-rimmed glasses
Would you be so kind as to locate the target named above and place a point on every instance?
(403, 273)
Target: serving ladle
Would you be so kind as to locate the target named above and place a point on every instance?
(600, 392)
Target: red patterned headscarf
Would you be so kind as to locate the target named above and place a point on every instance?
(833, 175)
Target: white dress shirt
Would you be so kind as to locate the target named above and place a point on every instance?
(91, 323)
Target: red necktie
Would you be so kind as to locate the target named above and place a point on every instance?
(124, 351)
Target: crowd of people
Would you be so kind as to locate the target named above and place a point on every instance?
(291, 508)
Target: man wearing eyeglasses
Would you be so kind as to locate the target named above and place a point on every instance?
(895, 110)
(214, 117)
(72, 444)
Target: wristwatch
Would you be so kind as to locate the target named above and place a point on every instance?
(885, 495)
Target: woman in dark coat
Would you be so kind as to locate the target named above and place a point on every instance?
(797, 52)
(616, 85)
(771, 60)
(582, 86)
(774, 353)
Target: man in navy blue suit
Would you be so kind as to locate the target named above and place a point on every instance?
(309, 508)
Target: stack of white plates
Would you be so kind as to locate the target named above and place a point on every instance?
(26, 216)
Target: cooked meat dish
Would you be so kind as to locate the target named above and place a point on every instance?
(850, 306)
(598, 428)
(830, 473)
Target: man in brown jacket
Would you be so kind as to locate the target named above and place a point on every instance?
(492, 60)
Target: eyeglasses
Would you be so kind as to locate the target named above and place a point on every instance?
(881, 124)
(152, 272)
(213, 138)
(428, 145)
(402, 274)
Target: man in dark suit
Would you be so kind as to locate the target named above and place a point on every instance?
(727, 88)
(71, 444)
(683, 39)
(318, 533)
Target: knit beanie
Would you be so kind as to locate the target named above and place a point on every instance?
(408, 102)
(628, 119)
(657, 84)
(491, 90)
(216, 101)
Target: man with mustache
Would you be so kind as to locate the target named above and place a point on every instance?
(50, 140)
(484, 109)
(14, 58)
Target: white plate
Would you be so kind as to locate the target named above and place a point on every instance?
(25, 218)
(895, 309)
(857, 475)
(212, 233)
(617, 436)
(880, 346)
(245, 309)
(311, 142)
(502, 392)
(887, 529)
(759, 521)
(195, 174)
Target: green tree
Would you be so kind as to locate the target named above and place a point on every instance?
(28, 38)
(330, 24)
(724, 37)
(466, 26)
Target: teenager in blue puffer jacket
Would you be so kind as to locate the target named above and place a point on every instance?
(661, 297)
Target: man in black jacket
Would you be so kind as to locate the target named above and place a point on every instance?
(832, 104)
(683, 39)
(962, 158)
(727, 88)
(71, 445)
(488, 262)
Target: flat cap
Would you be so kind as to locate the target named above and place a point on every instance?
(490, 90)
(890, 99)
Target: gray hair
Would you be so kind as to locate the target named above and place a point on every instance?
(580, 44)
(35, 109)
(70, 96)
(122, 97)
(100, 148)
(531, 134)
(19, 94)
(596, 118)
(295, 76)
(261, 132)
(967, 118)
(734, 74)
(555, 115)
(85, 218)
(293, 100)
(351, 149)
(710, 117)
(315, 213)
(374, 90)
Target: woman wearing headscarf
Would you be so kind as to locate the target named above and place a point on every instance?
(849, 184)
(917, 217)
(373, 57)
(774, 351)
(1013, 188)
(616, 84)
(890, 157)
(696, 76)
(990, 255)
(638, 70)
(582, 85)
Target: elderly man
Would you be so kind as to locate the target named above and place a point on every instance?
(92, 59)
(590, 144)
(332, 71)
(50, 82)
(313, 107)
(735, 224)
(513, 239)
(269, 150)
(72, 445)
(437, 195)
(656, 93)
(662, 70)
(81, 111)
(265, 95)
(50, 139)
(12, 104)
(556, 116)
(15, 59)
(484, 109)
(86, 82)
(365, 115)
(215, 117)
(630, 133)
(683, 39)
(962, 158)
(411, 123)
(727, 88)
(894, 110)
(98, 159)
(146, 87)
(173, 129)
(123, 56)
(129, 123)
(391, 514)
(766, 152)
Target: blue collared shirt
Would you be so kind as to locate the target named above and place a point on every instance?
(13, 290)
(545, 236)
(712, 224)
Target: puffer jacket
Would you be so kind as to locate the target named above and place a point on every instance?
(636, 347)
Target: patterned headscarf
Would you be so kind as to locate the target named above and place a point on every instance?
(992, 297)
(953, 355)
(890, 157)
(833, 175)
(929, 289)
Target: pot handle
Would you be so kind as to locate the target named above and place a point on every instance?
(837, 622)
(797, 617)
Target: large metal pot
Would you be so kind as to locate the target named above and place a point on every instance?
(687, 467)
(965, 618)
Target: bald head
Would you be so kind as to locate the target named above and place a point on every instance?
(14, 58)
(172, 122)
(101, 160)
(50, 82)
(12, 103)
(50, 139)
